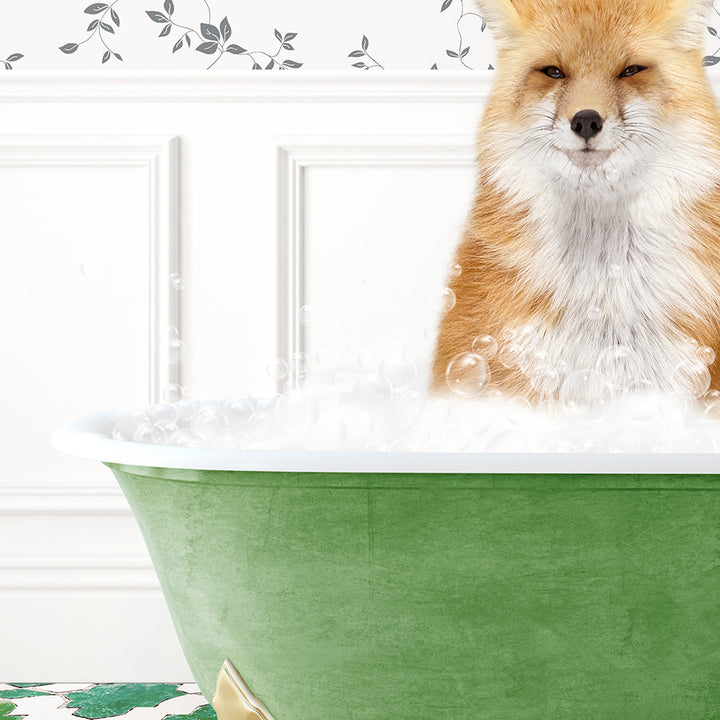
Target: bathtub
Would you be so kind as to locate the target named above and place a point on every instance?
(359, 586)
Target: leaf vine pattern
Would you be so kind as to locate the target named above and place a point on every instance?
(710, 60)
(99, 28)
(462, 48)
(7, 62)
(370, 62)
(214, 40)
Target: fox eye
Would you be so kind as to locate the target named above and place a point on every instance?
(632, 70)
(554, 72)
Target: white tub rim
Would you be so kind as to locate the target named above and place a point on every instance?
(90, 436)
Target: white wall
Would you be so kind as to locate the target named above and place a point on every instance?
(266, 192)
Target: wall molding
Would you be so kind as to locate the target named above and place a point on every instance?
(247, 86)
(158, 156)
(295, 155)
(58, 501)
(36, 573)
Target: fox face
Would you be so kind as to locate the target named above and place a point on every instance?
(594, 91)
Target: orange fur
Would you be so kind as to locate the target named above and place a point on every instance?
(592, 41)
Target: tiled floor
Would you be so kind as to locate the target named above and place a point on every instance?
(129, 701)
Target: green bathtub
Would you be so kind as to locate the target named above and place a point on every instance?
(361, 594)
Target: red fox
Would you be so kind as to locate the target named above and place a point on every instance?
(593, 243)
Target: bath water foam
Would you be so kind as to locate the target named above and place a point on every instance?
(378, 403)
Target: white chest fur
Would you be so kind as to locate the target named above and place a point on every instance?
(619, 271)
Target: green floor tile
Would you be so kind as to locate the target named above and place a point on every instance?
(108, 700)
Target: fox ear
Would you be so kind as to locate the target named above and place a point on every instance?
(691, 19)
(501, 17)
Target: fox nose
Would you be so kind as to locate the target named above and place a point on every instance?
(587, 123)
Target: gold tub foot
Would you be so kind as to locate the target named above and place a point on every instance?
(233, 699)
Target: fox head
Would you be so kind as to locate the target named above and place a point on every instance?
(592, 91)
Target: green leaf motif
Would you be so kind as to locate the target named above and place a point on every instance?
(108, 700)
(204, 712)
(20, 693)
(6, 708)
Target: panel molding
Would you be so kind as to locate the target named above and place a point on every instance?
(158, 157)
(67, 573)
(228, 86)
(295, 155)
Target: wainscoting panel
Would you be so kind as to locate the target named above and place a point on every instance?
(220, 206)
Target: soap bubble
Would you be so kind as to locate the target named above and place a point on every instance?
(277, 369)
(177, 282)
(90, 268)
(706, 355)
(163, 413)
(691, 378)
(485, 345)
(545, 380)
(174, 392)
(209, 421)
(527, 337)
(299, 364)
(467, 374)
(399, 374)
(512, 355)
(455, 270)
(585, 390)
(305, 315)
(185, 409)
(144, 433)
(261, 424)
(611, 173)
(127, 425)
(176, 351)
(446, 300)
(621, 365)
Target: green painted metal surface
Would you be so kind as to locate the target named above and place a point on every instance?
(493, 597)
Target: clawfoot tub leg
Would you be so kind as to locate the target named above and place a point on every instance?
(233, 699)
